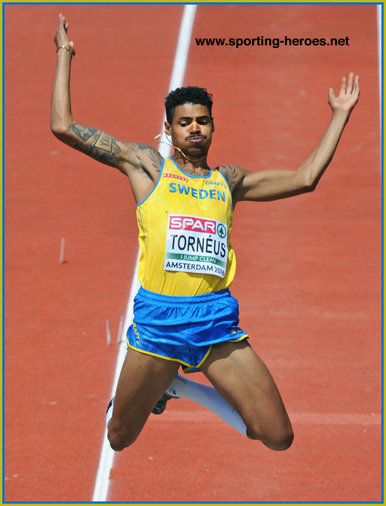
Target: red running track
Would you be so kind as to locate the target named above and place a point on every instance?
(308, 267)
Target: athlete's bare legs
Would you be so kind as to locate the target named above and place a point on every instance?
(142, 381)
(240, 376)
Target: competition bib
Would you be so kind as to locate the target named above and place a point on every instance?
(195, 244)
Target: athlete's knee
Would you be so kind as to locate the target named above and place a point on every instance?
(278, 440)
(281, 443)
(120, 437)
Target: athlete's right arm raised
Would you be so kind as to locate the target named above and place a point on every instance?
(140, 162)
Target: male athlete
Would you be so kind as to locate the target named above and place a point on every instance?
(184, 314)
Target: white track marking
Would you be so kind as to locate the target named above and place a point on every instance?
(61, 253)
(106, 459)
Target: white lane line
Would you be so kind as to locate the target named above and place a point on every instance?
(106, 459)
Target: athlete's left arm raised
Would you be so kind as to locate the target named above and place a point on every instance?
(274, 184)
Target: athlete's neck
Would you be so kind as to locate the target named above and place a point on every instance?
(191, 164)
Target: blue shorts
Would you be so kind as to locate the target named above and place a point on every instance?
(183, 329)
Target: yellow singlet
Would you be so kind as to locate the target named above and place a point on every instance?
(184, 229)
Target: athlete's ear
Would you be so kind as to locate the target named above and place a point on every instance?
(212, 124)
(168, 128)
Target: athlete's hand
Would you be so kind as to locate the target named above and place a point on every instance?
(61, 38)
(348, 95)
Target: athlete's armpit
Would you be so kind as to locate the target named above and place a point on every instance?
(233, 174)
(148, 155)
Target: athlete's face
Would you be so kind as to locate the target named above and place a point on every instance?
(191, 129)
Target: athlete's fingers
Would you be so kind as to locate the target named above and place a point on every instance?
(356, 89)
(343, 86)
(350, 82)
(63, 22)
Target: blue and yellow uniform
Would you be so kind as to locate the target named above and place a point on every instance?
(185, 269)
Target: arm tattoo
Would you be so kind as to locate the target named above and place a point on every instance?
(106, 149)
(97, 144)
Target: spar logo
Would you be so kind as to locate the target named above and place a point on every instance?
(193, 224)
(221, 230)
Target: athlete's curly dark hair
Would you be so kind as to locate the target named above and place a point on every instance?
(187, 94)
